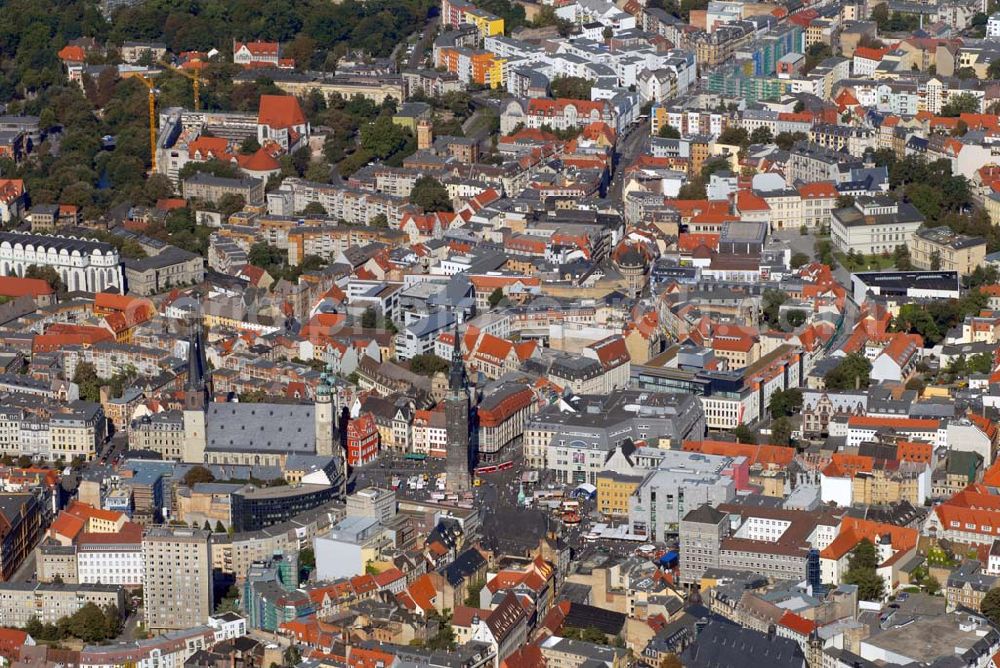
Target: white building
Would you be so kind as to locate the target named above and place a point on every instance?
(993, 26)
(110, 558)
(874, 225)
(347, 549)
(82, 264)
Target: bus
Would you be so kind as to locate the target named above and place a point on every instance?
(415, 456)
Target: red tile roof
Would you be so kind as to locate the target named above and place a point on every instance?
(546, 107)
(771, 455)
(907, 424)
(798, 624)
(72, 54)
(258, 48)
(13, 286)
(280, 111)
(821, 189)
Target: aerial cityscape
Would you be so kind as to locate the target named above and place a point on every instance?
(499, 333)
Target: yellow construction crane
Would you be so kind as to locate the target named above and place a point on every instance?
(152, 119)
(195, 78)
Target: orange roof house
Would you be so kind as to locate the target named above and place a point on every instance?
(903, 542)
(60, 335)
(769, 456)
(14, 286)
(280, 111)
(70, 54)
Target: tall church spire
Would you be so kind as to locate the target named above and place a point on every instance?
(196, 388)
(459, 424)
(457, 380)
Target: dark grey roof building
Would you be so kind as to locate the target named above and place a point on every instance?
(722, 645)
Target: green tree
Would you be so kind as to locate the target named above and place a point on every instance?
(379, 221)
(229, 204)
(993, 71)
(734, 136)
(853, 373)
(713, 165)
(669, 132)
(861, 571)
(770, 305)
(369, 318)
(980, 363)
(112, 621)
(444, 639)
(47, 274)
(917, 319)
(785, 140)
(786, 402)
(781, 431)
(307, 558)
(815, 55)
(291, 656)
(966, 103)
(901, 258)
(824, 252)
(990, 605)
(476, 586)
(384, 139)
(430, 195)
(213, 167)
(495, 297)
(249, 145)
(318, 171)
(197, 474)
(762, 135)
(796, 318)
(926, 198)
(89, 624)
(253, 397)
(428, 364)
(264, 256)
(799, 260)
(693, 189)
(935, 260)
(744, 434)
(85, 376)
(845, 201)
(576, 88)
(314, 209)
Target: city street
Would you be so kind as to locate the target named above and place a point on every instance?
(631, 145)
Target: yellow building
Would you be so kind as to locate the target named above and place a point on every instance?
(613, 492)
(941, 248)
(487, 24)
(884, 487)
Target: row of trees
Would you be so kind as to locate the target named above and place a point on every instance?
(933, 319)
(90, 383)
(90, 624)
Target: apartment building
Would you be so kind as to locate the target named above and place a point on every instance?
(701, 532)
(874, 225)
(177, 567)
(941, 248)
(20, 602)
(213, 188)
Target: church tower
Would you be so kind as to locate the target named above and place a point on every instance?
(458, 422)
(324, 417)
(196, 396)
